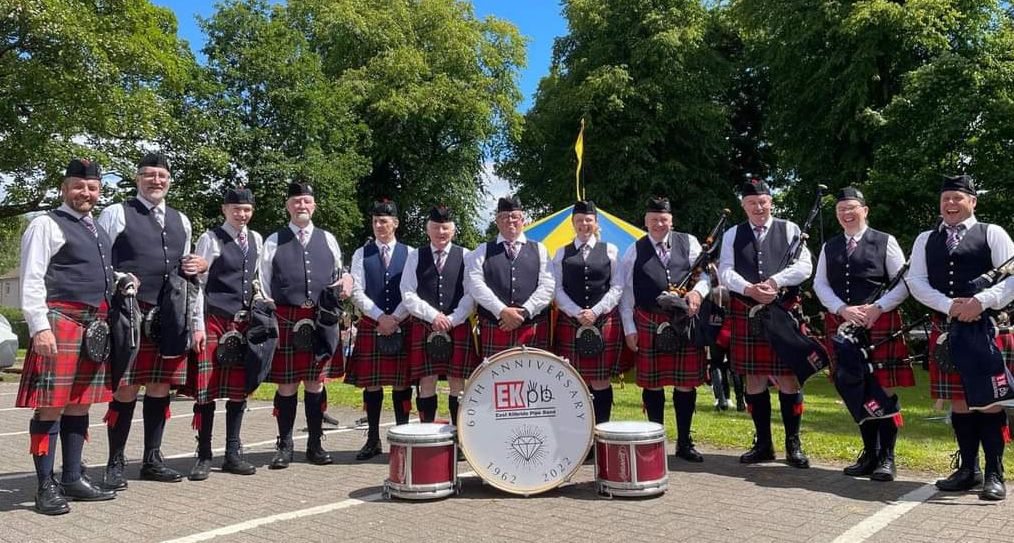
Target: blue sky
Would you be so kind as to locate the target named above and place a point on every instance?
(538, 20)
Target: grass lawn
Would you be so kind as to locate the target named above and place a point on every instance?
(829, 434)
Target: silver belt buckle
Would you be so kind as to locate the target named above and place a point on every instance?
(308, 303)
(242, 315)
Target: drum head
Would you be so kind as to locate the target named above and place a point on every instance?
(426, 432)
(629, 430)
(525, 422)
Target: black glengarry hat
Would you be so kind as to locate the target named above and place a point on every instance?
(851, 193)
(239, 195)
(658, 204)
(300, 189)
(83, 168)
(961, 183)
(585, 207)
(154, 160)
(754, 187)
(384, 208)
(508, 203)
(441, 214)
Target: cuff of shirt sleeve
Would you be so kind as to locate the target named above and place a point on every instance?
(37, 324)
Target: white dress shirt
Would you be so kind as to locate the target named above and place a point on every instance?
(209, 248)
(612, 296)
(627, 267)
(794, 274)
(271, 245)
(359, 297)
(415, 305)
(475, 280)
(995, 297)
(889, 301)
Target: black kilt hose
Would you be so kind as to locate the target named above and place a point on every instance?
(368, 368)
(151, 367)
(493, 340)
(206, 379)
(946, 385)
(685, 368)
(463, 358)
(290, 366)
(592, 368)
(70, 377)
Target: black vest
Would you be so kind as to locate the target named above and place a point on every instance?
(512, 282)
(757, 262)
(950, 272)
(586, 281)
(230, 276)
(81, 271)
(148, 250)
(300, 273)
(855, 278)
(383, 284)
(442, 291)
(650, 277)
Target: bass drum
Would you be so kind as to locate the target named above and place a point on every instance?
(525, 421)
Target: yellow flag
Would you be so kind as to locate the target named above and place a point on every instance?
(579, 150)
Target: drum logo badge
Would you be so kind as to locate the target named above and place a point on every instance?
(1001, 387)
(526, 446)
(514, 400)
(873, 408)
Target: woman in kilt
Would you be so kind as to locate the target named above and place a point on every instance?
(650, 266)
(432, 289)
(589, 285)
(851, 268)
(232, 252)
(66, 285)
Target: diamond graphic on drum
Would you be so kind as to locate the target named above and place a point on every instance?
(527, 446)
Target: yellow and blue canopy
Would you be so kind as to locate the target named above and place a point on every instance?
(556, 230)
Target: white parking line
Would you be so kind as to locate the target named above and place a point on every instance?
(133, 421)
(887, 514)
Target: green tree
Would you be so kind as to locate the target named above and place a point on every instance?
(11, 229)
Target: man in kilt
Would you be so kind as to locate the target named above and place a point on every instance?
(511, 280)
(298, 262)
(149, 239)
(377, 271)
(232, 252)
(752, 253)
(589, 285)
(944, 260)
(433, 292)
(66, 285)
(650, 266)
(851, 268)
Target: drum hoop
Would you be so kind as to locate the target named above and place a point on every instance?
(634, 440)
(463, 442)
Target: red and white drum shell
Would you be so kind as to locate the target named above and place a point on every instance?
(423, 463)
(630, 458)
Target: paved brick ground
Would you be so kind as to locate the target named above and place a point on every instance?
(719, 500)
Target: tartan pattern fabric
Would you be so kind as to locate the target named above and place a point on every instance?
(591, 368)
(70, 377)
(463, 359)
(946, 385)
(898, 373)
(289, 366)
(369, 368)
(750, 354)
(151, 367)
(206, 380)
(686, 368)
(493, 340)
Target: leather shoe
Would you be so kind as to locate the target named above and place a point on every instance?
(235, 463)
(760, 452)
(283, 455)
(993, 488)
(965, 478)
(201, 470)
(794, 455)
(154, 469)
(688, 452)
(84, 490)
(48, 500)
(113, 478)
(885, 470)
(865, 464)
(316, 455)
(369, 450)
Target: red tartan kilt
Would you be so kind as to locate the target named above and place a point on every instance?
(749, 354)
(686, 368)
(289, 366)
(591, 368)
(463, 359)
(947, 385)
(898, 373)
(151, 367)
(493, 340)
(369, 368)
(206, 380)
(70, 377)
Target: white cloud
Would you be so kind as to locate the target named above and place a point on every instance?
(496, 187)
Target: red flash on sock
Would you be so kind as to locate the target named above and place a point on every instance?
(797, 409)
(407, 405)
(40, 445)
(195, 423)
(899, 421)
(168, 412)
(1006, 433)
(111, 417)
(274, 412)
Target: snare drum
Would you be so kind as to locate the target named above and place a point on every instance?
(630, 458)
(423, 463)
(525, 420)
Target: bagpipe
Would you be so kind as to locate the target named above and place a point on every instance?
(124, 320)
(860, 334)
(970, 348)
(682, 329)
(782, 323)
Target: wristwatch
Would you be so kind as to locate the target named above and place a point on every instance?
(526, 314)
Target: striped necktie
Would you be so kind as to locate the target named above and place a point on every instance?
(954, 235)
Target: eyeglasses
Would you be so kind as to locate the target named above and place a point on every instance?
(848, 209)
(510, 217)
(153, 175)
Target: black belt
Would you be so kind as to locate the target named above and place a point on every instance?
(219, 312)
